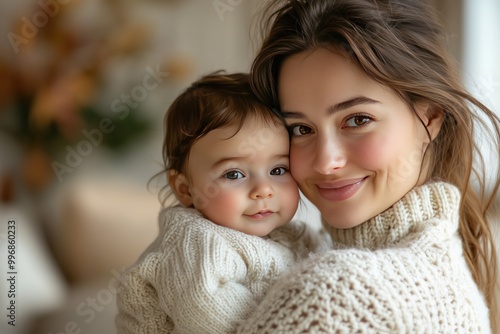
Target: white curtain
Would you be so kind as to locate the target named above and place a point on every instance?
(481, 50)
(481, 62)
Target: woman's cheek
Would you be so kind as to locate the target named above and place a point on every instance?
(373, 153)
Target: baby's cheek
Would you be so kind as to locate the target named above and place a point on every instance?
(291, 189)
(223, 206)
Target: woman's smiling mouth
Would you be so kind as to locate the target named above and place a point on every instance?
(339, 190)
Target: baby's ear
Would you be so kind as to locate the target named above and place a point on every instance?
(180, 186)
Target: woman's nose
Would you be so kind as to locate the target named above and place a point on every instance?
(329, 156)
(261, 190)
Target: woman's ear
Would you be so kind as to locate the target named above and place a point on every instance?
(432, 117)
(180, 186)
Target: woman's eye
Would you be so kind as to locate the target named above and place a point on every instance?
(278, 171)
(234, 175)
(300, 130)
(357, 121)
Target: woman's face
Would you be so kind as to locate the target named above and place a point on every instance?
(356, 147)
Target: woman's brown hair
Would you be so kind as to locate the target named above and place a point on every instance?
(400, 44)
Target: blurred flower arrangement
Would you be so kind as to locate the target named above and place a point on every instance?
(51, 90)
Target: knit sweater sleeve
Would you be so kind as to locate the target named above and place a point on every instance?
(202, 285)
(328, 294)
(139, 310)
(360, 291)
(301, 238)
(194, 282)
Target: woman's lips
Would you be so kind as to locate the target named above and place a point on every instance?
(339, 190)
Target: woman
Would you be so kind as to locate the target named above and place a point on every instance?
(382, 143)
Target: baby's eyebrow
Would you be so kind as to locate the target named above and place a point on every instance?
(292, 114)
(282, 156)
(225, 160)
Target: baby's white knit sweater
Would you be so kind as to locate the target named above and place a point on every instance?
(198, 277)
(403, 271)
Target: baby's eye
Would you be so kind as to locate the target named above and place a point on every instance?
(357, 121)
(278, 171)
(300, 130)
(234, 175)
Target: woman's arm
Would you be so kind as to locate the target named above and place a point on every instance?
(417, 289)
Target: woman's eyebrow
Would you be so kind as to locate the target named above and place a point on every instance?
(334, 108)
(351, 103)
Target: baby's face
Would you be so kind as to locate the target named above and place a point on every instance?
(242, 181)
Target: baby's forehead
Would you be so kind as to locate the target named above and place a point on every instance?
(252, 130)
(254, 140)
(264, 120)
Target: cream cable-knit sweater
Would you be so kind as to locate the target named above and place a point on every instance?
(198, 277)
(403, 271)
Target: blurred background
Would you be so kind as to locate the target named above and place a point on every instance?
(84, 85)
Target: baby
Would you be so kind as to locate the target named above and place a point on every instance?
(226, 159)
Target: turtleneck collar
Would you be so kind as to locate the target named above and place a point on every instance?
(438, 200)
